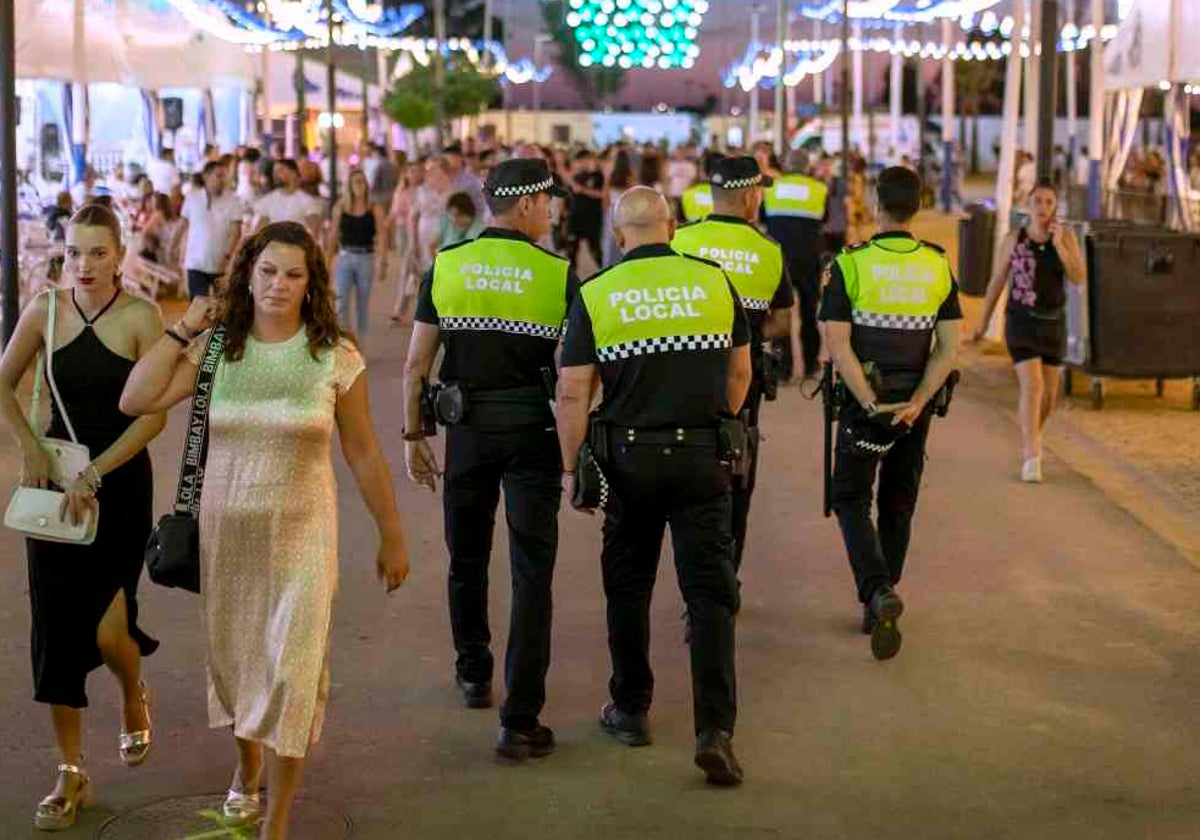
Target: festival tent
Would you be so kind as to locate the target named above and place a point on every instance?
(1151, 49)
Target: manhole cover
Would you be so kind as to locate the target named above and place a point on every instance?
(179, 818)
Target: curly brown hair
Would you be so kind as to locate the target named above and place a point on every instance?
(317, 311)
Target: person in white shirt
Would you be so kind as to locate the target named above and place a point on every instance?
(681, 172)
(212, 219)
(163, 173)
(287, 202)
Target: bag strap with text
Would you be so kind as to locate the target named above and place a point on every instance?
(195, 450)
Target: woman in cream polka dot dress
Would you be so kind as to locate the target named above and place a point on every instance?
(268, 517)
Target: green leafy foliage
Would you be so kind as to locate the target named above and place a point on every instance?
(467, 92)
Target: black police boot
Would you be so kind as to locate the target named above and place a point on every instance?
(475, 695)
(630, 730)
(520, 744)
(714, 755)
(885, 607)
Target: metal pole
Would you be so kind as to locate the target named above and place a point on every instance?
(1096, 115)
(385, 85)
(1047, 89)
(1072, 101)
(922, 110)
(1032, 80)
(488, 34)
(366, 99)
(537, 89)
(781, 23)
(8, 169)
(896, 98)
(439, 70)
(300, 82)
(845, 98)
(818, 78)
(1008, 137)
(857, 85)
(331, 104)
(947, 116)
(752, 132)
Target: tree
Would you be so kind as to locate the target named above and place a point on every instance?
(592, 84)
(467, 92)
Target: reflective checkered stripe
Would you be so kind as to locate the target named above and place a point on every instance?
(499, 325)
(756, 304)
(669, 344)
(891, 321)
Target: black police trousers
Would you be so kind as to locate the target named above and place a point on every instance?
(743, 485)
(526, 462)
(688, 489)
(877, 553)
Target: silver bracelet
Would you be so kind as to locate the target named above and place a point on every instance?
(95, 473)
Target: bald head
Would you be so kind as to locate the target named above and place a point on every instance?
(642, 217)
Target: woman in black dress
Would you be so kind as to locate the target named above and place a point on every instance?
(83, 599)
(1040, 258)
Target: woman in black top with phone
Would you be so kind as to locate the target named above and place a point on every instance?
(1041, 257)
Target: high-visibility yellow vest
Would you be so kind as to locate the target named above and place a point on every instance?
(798, 196)
(500, 284)
(752, 260)
(697, 202)
(896, 282)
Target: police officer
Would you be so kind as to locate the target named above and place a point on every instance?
(888, 301)
(754, 264)
(795, 207)
(497, 304)
(666, 336)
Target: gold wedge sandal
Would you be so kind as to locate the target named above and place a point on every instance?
(135, 746)
(58, 813)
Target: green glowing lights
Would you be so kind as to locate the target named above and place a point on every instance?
(637, 33)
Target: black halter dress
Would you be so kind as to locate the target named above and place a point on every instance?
(71, 586)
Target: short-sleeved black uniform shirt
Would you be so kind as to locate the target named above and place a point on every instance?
(898, 351)
(489, 359)
(681, 388)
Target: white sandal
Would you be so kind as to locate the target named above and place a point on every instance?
(135, 746)
(242, 808)
(58, 813)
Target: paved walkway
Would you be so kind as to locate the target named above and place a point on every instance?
(1047, 688)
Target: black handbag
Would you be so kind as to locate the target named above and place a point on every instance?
(173, 551)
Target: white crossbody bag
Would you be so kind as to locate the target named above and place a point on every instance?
(36, 512)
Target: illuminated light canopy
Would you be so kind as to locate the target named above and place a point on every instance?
(763, 64)
(898, 11)
(637, 33)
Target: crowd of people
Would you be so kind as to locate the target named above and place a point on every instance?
(487, 246)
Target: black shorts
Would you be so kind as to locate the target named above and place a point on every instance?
(1036, 336)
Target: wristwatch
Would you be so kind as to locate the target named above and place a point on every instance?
(872, 408)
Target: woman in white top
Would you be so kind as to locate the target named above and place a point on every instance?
(400, 219)
(429, 203)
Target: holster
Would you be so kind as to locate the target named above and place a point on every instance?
(945, 395)
(599, 439)
(772, 370)
(428, 408)
(449, 403)
(733, 437)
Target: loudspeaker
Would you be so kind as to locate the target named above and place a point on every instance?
(172, 107)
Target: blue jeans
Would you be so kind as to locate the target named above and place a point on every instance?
(354, 272)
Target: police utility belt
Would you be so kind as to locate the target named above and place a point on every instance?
(729, 441)
(453, 404)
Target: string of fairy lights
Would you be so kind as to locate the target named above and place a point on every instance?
(637, 33)
(289, 25)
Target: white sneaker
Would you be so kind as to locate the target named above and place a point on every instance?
(1031, 471)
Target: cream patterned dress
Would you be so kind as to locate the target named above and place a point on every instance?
(268, 538)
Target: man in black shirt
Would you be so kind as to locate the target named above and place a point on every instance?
(497, 304)
(887, 302)
(666, 337)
